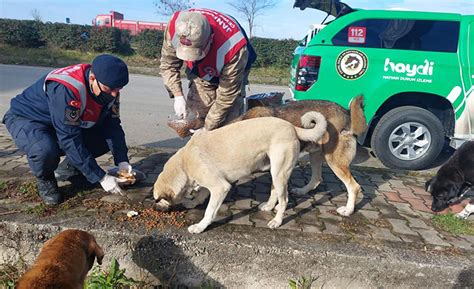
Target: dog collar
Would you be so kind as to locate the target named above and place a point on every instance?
(467, 187)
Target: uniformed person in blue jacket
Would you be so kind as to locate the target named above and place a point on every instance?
(72, 111)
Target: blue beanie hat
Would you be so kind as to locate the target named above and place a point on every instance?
(110, 70)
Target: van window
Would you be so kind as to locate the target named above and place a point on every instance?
(405, 34)
(303, 41)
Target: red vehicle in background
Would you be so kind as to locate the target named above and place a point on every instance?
(115, 19)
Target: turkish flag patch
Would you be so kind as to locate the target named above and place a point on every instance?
(75, 103)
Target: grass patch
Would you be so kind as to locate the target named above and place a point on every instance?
(3, 186)
(270, 75)
(22, 190)
(9, 274)
(114, 278)
(42, 56)
(50, 57)
(453, 225)
(421, 174)
(72, 202)
(302, 282)
(29, 189)
(41, 210)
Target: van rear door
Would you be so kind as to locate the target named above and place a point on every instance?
(467, 70)
(335, 7)
(470, 44)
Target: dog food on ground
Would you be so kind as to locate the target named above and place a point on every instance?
(152, 219)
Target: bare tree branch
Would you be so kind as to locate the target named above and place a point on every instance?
(168, 7)
(36, 15)
(251, 9)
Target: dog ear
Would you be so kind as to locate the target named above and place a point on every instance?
(96, 251)
(429, 183)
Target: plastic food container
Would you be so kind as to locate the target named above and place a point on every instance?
(183, 125)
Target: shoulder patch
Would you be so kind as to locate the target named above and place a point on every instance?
(75, 103)
(71, 115)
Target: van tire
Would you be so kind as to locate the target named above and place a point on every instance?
(412, 117)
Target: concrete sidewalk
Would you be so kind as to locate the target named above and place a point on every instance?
(388, 242)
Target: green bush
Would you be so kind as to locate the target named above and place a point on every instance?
(103, 39)
(125, 40)
(65, 36)
(22, 33)
(25, 33)
(148, 43)
(273, 52)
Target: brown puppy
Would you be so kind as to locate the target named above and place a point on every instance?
(63, 262)
(337, 147)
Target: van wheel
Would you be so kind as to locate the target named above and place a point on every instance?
(408, 137)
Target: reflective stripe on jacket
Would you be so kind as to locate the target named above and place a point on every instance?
(73, 77)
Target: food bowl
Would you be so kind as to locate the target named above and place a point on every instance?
(135, 177)
(182, 126)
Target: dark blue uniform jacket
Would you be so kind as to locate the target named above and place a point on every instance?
(50, 109)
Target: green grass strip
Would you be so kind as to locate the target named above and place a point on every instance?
(450, 223)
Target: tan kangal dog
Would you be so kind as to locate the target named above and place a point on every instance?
(216, 159)
(338, 146)
(63, 262)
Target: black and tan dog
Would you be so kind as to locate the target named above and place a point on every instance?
(63, 262)
(453, 179)
(337, 147)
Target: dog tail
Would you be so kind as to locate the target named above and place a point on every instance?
(314, 126)
(358, 122)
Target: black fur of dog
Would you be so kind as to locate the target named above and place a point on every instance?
(454, 178)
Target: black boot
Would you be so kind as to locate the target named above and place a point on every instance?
(66, 171)
(48, 190)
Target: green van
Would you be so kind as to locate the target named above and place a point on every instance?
(415, 70)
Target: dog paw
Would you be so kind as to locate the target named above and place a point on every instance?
(273, 224)
(265, 206)
(196, 229)
(344, 211)
(463, 215)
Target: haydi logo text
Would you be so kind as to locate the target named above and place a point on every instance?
(410, 69)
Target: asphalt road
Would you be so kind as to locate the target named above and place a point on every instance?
(145, 107)
(145, 104)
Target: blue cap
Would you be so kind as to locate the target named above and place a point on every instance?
(110, 70)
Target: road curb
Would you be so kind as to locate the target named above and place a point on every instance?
(241, 257)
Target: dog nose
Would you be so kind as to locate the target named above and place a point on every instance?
(435, 209)
(438, 207)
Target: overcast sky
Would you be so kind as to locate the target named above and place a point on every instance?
(283, 21)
